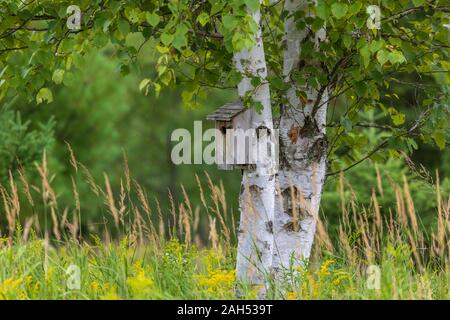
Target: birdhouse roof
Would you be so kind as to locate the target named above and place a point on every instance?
(227, 112)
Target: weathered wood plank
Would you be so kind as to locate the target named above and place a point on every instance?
(227, 112)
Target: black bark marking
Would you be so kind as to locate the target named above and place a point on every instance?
(254, 189)
(318, 149)
(269, 227)
(292, 226)
(309, 128)
(297, 216)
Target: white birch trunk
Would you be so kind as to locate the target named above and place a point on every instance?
(254, 256)
(303, 157)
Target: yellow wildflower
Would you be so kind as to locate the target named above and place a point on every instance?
(36, 287)
(255, 291)
(140, 284)
(9, 288)
(325, 268)
(292, 295)
(310, 287)
(95, 286)
(298, 270)
(218, 279)
(339, 279)
(111, 295)
(49, 273)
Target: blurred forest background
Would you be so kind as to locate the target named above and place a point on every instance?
(103, 116)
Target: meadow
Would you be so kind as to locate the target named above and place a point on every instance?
(95, 205)
(139, 252)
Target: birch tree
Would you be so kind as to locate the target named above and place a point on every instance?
(254, 254)
(303, 147)
(301, 66)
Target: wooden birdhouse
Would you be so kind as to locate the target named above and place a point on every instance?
(229, 119)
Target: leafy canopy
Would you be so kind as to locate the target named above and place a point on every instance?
(400, 71)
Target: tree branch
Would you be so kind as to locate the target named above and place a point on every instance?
(12, 49)
(414, 10)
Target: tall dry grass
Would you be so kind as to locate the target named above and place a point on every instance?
(131, 212)
(361, 238)
(364, 232)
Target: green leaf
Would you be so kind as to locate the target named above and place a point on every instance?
(317, 24)
(69, 79)
(354, 8)
(58, 76)
(203, 19)
(144, 84)
(182, 29)
(217, 7)
(258, 106)
(230, 22)
(365, 54)
(133, 14)
(255, 81)
(347, 124)
(439, 138)
(180, 39)
(418, 2)
(347, 40)
(382, 57)
(238, 41)
(167, 38)
(186, 96)
(361, 88)
(397, 117)
(412, 144)
(277, 83)
(376, 45)
(339, 10)
(152, 18)
(100, 39)
(123, 26)
(394, 153)
(396, 57)
(323, 10)
(253, 5)
(157, 89)
(44, 95)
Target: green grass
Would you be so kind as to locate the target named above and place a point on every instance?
(139, 256)
(123, 271)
